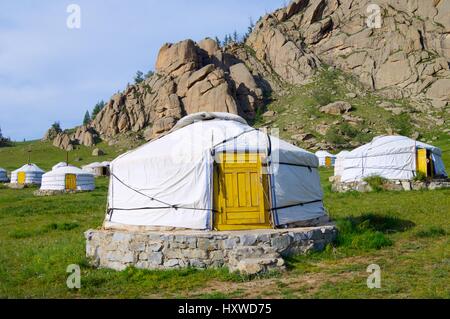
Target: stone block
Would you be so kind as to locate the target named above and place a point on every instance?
(230, 243)
(172, 263)
(281, 242)
(247, 240)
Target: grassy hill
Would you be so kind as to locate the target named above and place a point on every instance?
(297, 111)
(45, 155)
(406, 233)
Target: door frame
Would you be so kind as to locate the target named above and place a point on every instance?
(266, 188)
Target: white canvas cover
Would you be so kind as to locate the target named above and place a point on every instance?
(33, 174)
(56, 179)
(339, 163)
(177, 169)
(392, 157)
(321, 155)
(3, 176)
(60, 164)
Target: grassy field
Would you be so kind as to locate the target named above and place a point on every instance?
(405, 233)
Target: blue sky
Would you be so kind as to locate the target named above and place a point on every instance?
(49, 72)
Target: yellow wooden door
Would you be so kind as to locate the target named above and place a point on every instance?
(328, 161)
(241, 193)
(21, 177)
(422, 161)
(71, 182)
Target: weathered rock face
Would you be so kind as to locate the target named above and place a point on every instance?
(51, 134)
(189, 78)
(408, 54)
(83, 135)
(336, 108)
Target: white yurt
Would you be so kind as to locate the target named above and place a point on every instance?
(338, 163)
(3, 176)
(97, 168)
(392, 157)
(27, 174)
(68, 178)
(214, 171)
(60, 164)
(325, 156)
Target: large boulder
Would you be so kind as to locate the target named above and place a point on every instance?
(336, 108)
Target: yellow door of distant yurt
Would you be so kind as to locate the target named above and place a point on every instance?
(424, 162)
(21, 177)
(328, 161)
(241, 193)
(71, 182)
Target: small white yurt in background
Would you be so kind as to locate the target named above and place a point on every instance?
(60, 164)
(3, 176)
(68, 178)
(339, 162)
(394, 158)
(27, 174)
(98, 169)
(325, 158)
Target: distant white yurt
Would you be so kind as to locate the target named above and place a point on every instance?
(325, 158)
(68, 178)
(60, 164)
(214, 171)
(27, 174)
(392, 157)
(97, 168)
(3, 176)
(339, 162)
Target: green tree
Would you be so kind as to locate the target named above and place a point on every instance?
(149, 74)
(235, 37)
(219, 43)
(56, 126)
(87, 118)
(97, 108)
(139, 77)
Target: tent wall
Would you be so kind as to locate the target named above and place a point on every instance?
(177, 169)
(30, 177)
(58, 182)
(391, 157)
(3, 177)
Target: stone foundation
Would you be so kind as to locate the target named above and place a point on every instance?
(41, 192)
(248, 252)
(391, 185)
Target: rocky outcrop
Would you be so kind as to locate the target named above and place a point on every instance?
(407, 56)
(189, 78)
(336, 108)
(83, 135)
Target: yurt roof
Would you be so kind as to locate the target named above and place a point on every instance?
(206, 116)
(342, 153)
(198, 134)
(29, 168)
(392, 144)
(92, 165)
(60, 164)
(67, 170)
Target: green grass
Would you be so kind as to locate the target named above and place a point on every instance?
(406, 233)
(45, 155)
